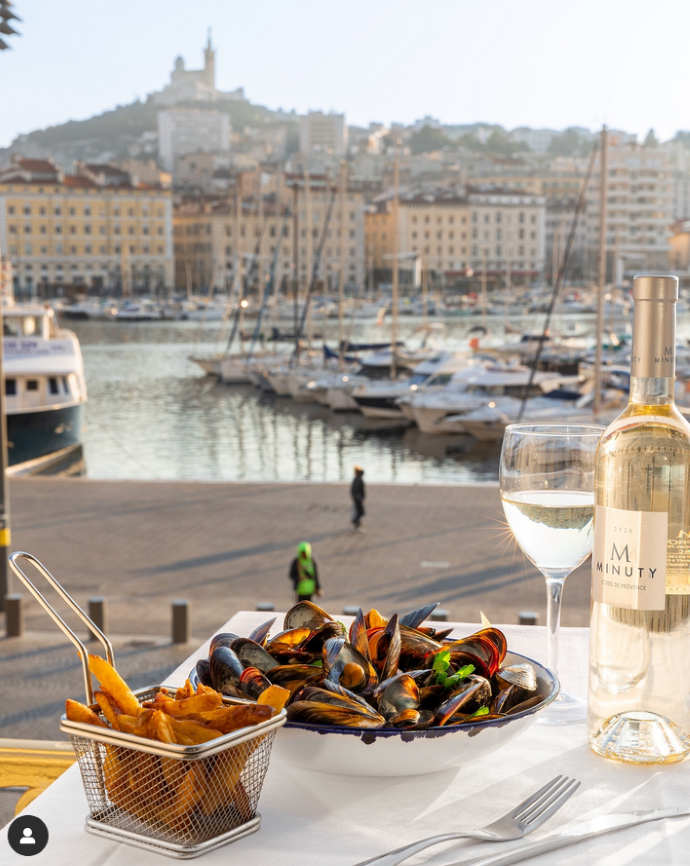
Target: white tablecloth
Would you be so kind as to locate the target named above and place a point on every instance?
(313, 818)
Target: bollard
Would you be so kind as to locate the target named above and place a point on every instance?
(180, 621)
(439, 615)
(265, 605)
(528, 617)
(98, 612)
(14, 615)
(350, 610)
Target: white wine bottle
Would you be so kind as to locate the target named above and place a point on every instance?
(639, 671)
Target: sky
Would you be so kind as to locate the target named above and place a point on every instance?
(539, 63)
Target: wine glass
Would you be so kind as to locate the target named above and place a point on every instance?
(547, 491)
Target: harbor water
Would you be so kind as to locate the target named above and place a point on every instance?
(152, 414)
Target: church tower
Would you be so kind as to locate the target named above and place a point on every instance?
(210, 63)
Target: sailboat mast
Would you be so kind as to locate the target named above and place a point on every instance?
(394, 316)
(485, 299)
(341, 274)
(603, 201)
(425, 278)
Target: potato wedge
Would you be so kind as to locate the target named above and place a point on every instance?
(162, 724)
(185, 691)
(110, 708)
(196, 704)
(189, 732)
(227, 719)
(77, 712)
(112, 682)
(274, 696)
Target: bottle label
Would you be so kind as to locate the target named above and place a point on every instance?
(629, 558)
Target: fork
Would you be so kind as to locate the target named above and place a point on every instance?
(522, 821)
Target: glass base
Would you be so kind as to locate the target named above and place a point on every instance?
(565, 710)
(641, 738)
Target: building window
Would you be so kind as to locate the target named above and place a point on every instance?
(131, 249)
(58, 249)
(27, 229)
(87, 230)
(103, 250)
(27, 210)
(43, 230)
(53, 385)
(117, 248)
(130, 212)
(414, 218)
(10, 387)
(475, 251)
(521, 217)
(131, 230)
(117, 230)
(72, 211)
(44, 251)
(101, 230)
(10, 209)
(486, 217)
(87, 211)
(498, 234)
(498, 251)
(42, 211)
(27, 249)
(13, 230)
(73, 250)
(57, 210)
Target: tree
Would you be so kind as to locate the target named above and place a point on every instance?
(427, 139)
(568, 143)
(651, 140)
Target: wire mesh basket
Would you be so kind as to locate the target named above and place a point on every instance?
(178, 800)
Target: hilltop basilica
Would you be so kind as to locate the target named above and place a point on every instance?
(195, 85)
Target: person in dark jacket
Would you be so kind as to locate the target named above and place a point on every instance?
(304, 573)
(358, 494)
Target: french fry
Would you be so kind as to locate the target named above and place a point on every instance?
(201, 689)
(189, 732)
(140, 725)
(163, 726)
(227, 719)
(112, 682)
(185, 691)
(226, 774)
(274, 696)
(77, 712)
(110, 708)
(196, 704)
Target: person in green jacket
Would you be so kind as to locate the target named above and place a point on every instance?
(304, 573)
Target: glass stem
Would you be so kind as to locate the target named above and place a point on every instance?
(554, 595)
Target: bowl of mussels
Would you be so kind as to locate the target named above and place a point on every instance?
(386, 696)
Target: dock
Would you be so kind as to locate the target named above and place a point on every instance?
(226, 547)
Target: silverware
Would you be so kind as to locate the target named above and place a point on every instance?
(524, 819)
(586, 830)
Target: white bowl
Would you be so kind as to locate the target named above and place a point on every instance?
(390, 752)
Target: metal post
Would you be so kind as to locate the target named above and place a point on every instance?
(485, 297)
(14, 621)
(98, 612)
(180, 621)
(396, 250)
(603, 201)
(5, 540)
(341, 275)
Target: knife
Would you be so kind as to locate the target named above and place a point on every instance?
(586, 830)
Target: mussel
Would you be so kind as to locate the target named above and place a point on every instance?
(225, 670)
(223, 639)
(260, 633)
(322, 713)
(343, 664)
(522, 675)
(401, 694)
(253, 682)
(307, 614)
(293, 676)
(474, 693)
(416, 617)
(253, 655)
(203, 672)
(416, 649)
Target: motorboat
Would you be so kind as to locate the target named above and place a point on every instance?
(382, 399)
(138, 311)
(473, 389)
(45, 388)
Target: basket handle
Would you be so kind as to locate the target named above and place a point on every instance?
(67, 598)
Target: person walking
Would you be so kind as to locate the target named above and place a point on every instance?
(304, 573)
(358, 495)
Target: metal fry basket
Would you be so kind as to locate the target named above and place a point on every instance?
(180, 801)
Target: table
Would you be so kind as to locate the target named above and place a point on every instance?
(313, 818)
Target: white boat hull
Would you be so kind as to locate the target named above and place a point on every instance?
(380, 412)
(210, 366)
(234, 372)
(340, 400)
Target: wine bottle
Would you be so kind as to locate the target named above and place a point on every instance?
(639, 672)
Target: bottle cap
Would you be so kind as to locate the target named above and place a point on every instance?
(654, 287)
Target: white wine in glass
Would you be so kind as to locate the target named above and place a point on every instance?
(547, 490)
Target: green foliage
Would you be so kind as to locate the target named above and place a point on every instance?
(650, 139)
(427, 139)
(440, 667)
(569, 143)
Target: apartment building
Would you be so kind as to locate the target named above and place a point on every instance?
(212, 234)
(191, 130)
(93, 229)
(322, 132)
(462, 230)
(640, 206)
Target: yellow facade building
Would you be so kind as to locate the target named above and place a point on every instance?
(92, 230)
(213, 234)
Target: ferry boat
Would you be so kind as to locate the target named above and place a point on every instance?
(45, 389)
